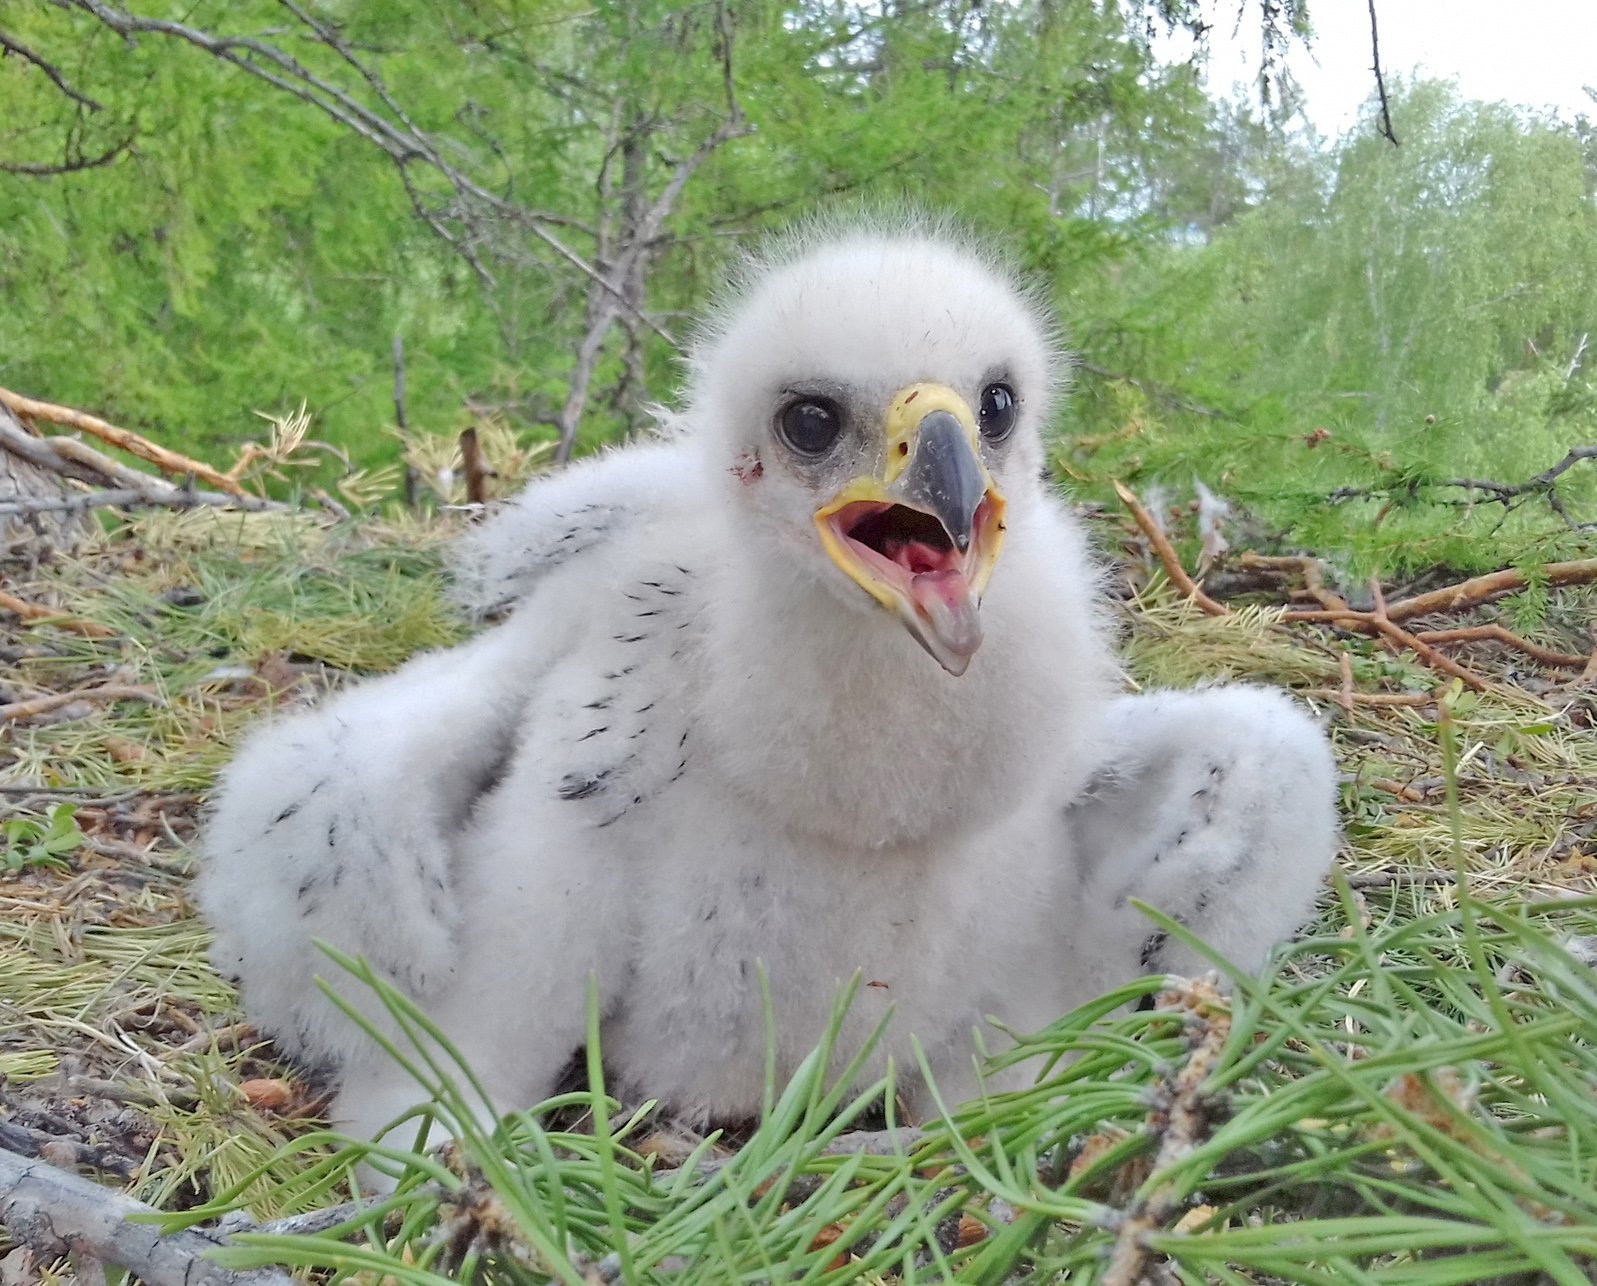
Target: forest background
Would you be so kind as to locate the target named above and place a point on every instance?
(218, 211)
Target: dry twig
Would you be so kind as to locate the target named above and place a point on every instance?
(1500, 634)
(169, 462)
(1307, 568)
(35, 706)
(1334, 610)
(1482, 589)
(38, 613)
(69, 458)
(1167, 554)
(1371, 698)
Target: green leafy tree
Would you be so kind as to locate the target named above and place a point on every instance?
(531, 195)
(1389, 326)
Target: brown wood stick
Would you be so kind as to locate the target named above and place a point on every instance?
(1406, 793)
(1478, 589)
(169, 462)
(36, 612)
(35, 706)
(1372, 698)
(1436, 660)
(1370, 623)
(1306, 567)
(1167, 554)
(1499, 634)
(473, 467)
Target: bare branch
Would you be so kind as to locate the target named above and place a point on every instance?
(9, 46)
(169, 462)
(70, 166)
(131, 498)
(28, 1142)
(398, 138)
(1385, 125)
(33, 707)
(121, 486)
(54, 1212)
(1167, 554)
(1508, 494)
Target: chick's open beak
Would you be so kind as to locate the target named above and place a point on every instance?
(922, 538)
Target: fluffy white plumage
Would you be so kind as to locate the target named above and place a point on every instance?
(699, 741)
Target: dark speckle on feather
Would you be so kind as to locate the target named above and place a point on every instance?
(583, 785)
(1151, 947)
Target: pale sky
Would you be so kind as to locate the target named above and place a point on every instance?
(1534, 53)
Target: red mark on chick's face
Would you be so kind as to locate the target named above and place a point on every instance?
(748, 470)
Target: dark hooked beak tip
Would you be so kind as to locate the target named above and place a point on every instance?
(945, 478)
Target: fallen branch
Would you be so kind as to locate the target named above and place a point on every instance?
(1383, 619)
(169, 462)
(122, 486)
(57, 1150)
(1481, 589)
(1499, 634)
(54, 1212)
(1395, 879)
(1167, 554)
(37, 613)
(1307, 568)
(1370, 698)
(1408, 794)
(1378, 622)
(35, 706)
(140, 498)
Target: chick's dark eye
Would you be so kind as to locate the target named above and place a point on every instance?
(998, 411)
(809, 426)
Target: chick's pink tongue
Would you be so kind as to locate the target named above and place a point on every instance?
(915, 557)
(941, 594)
(945, 599)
